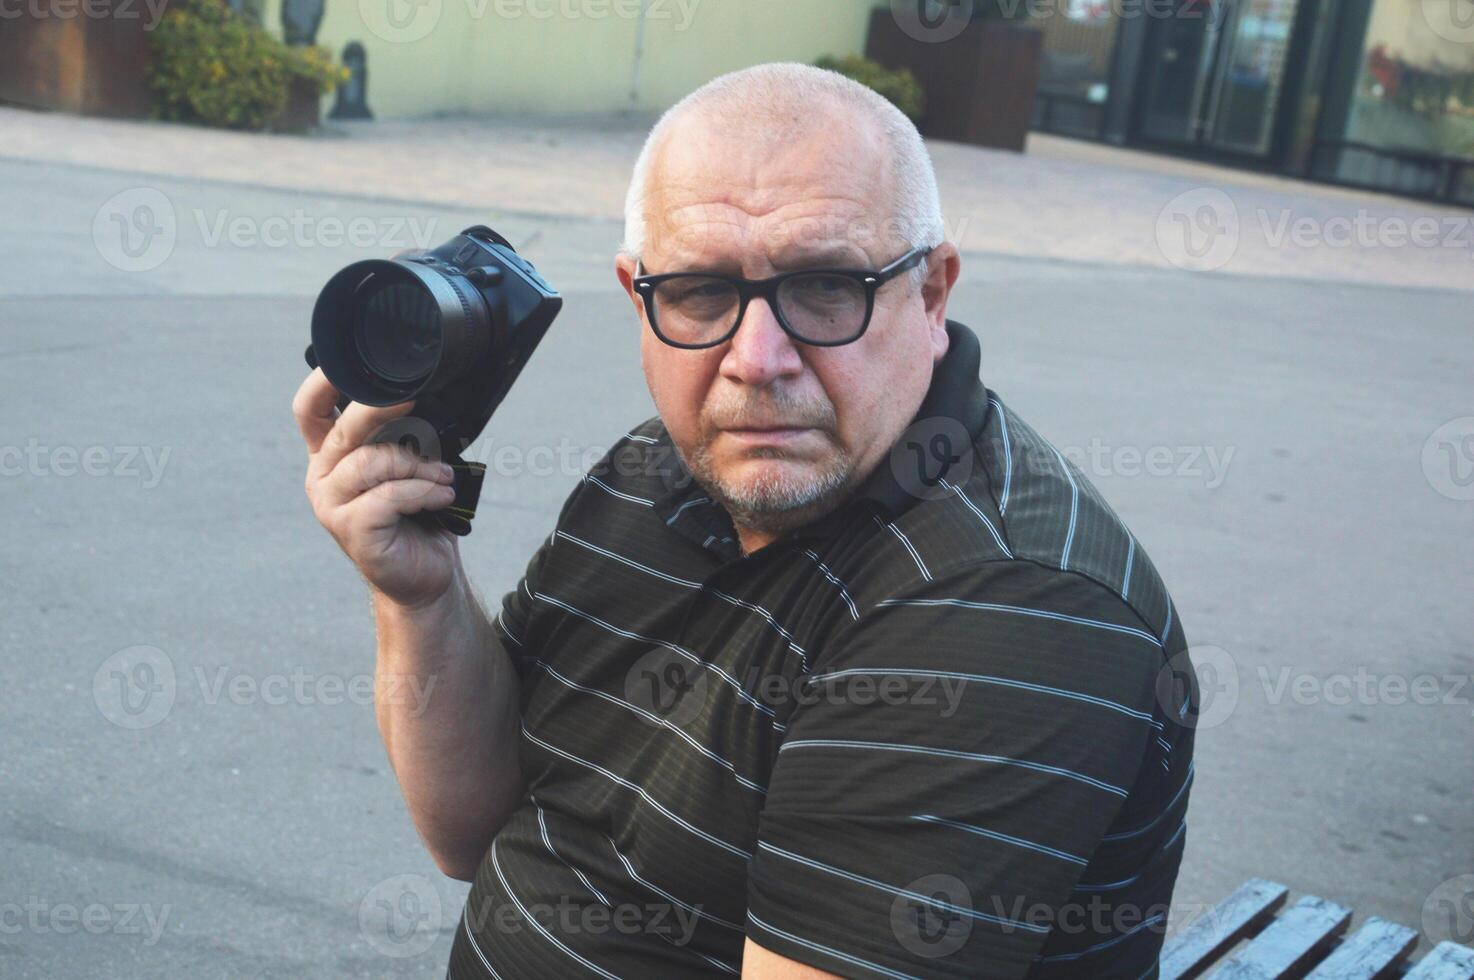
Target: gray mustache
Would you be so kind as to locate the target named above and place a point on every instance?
(773, 412)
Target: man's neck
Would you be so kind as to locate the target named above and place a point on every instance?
(751, 540)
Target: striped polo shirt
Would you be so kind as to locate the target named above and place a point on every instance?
(942, 731)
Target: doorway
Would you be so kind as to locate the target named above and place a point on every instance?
(1214, 75)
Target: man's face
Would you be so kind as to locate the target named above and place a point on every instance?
(776, 430)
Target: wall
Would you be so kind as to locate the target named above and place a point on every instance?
(571, 56)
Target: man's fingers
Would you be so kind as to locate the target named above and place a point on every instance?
(368, 466)
(315, 407)
(355, 425)
(383, 506)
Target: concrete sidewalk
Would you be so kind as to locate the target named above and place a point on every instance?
(1064, 199)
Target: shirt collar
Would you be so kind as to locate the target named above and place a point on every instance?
(956, 393)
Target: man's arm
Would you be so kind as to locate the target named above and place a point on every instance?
(761, 963)
(446, 701)
(446, 693)
(935, 800)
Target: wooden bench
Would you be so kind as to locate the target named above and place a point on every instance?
(1306, 940)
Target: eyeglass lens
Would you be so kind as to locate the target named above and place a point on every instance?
(819, 307)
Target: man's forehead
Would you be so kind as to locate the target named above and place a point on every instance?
(706, 152)
(797, 204)
(813, 232)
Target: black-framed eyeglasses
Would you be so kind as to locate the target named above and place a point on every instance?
(822, 307)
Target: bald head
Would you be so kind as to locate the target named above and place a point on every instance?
(766, 110)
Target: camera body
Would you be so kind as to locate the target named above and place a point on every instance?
(450, 328)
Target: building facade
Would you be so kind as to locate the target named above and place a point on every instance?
(1366, 93)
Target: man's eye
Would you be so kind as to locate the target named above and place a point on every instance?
(824, 287)
(821, 283)
(698, 291)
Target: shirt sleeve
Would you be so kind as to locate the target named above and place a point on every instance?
(509, 625)
(953, 760)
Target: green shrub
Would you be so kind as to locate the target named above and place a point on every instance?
(213, 66)
(899, 86)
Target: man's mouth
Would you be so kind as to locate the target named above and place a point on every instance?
(753, 435)
(767, 428)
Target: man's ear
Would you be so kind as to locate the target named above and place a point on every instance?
(624, 271)
(943, 266)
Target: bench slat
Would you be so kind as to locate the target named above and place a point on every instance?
(1191, 951)
(1291, 942)
(1448, 961)
(1368, 954)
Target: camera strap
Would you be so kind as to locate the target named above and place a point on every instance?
(456, 517)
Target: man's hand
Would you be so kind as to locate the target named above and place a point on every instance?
(362, 492)
(761, 963)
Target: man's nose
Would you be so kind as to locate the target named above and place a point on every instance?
(760, 350)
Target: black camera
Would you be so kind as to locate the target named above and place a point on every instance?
(450, 329)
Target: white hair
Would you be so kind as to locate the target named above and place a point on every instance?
(785, 95)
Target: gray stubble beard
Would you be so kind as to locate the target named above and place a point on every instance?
(775, 507)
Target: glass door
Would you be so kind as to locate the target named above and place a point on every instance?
(1179, 66)
(1214, 73)
(1250, 75)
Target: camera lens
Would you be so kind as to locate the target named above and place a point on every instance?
(388, 331)
(396, 328)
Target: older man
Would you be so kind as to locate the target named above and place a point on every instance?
(835, 667)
